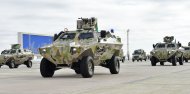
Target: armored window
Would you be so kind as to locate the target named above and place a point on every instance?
(187, 48)
(68, 36)
(160, 45)
(5, 52)
(171, 46)
(13, 51)
(86, 35)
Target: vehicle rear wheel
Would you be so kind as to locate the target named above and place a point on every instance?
(114, 65)
(173, 61)
(87, 67)
(29, 64)
(162, 63)
(180, 60)
(11, 64)
(16, 66)
(133, 60)
(153, 61)
(47, 68)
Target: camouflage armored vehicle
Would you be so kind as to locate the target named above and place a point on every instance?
(166, 52)
(81, 50)
(139, 55)
(16, 56)
(186, 52)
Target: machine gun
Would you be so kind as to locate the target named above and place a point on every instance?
(87, 24)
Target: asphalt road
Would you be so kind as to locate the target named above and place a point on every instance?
(134, 78)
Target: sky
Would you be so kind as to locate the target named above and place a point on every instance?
(148, 20)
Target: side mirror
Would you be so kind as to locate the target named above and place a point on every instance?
(153, 45)
(179, 45)
(55, 37)
(103, 33)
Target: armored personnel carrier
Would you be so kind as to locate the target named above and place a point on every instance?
(166, 52)
(16, 56)
(186, 52)
(139, 55)
(81, 50)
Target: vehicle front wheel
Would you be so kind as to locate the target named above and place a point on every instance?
(173, 61)
(11, 64)
(114, 65)
(87, 67)
(162, 63)
(180, 60)
(153, 61)
(47, 68)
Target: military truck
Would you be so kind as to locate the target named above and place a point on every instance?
(139, 55)
(167, 51)
(15, 56)
(81, 50)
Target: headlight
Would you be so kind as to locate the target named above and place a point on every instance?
(43, 50)
(73, 50)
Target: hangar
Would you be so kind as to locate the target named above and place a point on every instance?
(33, 41)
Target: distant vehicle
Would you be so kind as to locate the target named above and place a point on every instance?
(81, 50)
(16, 56)
(186, 53)
(166, 52)
(139, 55)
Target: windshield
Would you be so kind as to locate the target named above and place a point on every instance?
(137, 52)
(86, 35)
(160, 46)
(13, 51)
(170, 45)
(68, 36)
(5, 52)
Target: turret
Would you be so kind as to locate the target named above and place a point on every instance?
(87, 24)
(15, 46)
(168, 39)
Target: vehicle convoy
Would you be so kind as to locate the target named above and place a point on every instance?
(81, 50)
(186, 52)
(139, 55)
(16, 56)
(166, 52)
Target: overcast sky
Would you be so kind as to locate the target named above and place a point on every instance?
(148, 20)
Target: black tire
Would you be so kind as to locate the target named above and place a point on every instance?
(174, 61)
(186, 60)
(153, 61)
(145, 60)
(87, 67)
(133, 60)
(29, 64)
(162, 63)
(16, 66)
(47, 68)
(77, 71)
(181, 60)
(114, 65)
(11, 64)
(0, 66)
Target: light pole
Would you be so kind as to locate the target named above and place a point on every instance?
(128, 56)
